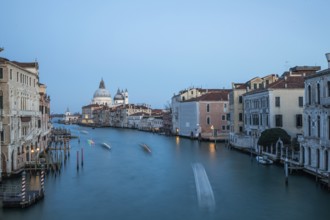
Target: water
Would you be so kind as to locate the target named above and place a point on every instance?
(127, 182)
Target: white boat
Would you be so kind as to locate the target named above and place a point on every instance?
(264, 160)
(106, 145)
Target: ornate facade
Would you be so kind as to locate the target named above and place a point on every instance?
(24, 107)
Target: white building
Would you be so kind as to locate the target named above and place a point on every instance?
(280, 105)
(315, 145)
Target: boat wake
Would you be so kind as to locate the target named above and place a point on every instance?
(203, 187)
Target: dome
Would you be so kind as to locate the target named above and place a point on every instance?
(119, 97)
(101, 93)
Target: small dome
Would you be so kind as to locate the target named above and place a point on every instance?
(119, 97)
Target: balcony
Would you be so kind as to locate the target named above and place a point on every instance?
(325, 102)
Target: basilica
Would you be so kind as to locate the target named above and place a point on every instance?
(102, 99)
(102, 96)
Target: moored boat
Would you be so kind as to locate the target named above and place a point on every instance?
(264, 160)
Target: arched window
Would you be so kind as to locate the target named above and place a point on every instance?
(309, 126)
(326, 160)
(309, 94)
(318, 94)
(318, 126)
(208, 121)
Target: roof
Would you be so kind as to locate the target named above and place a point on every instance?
(320, 73)
(220, 95)
(288, 82)
(27, 65)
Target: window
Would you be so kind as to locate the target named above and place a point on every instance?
(255, 119)
(192, 92)
(208, 121)
(260, 119)
(207, 107)
(17, 76)
(267, 82)
(278, 121)
(318, 93)
(255, 85)
(240, 129)
(1, 73)
(267, 120)
(240, 99)
(328, 127)
(223, 127)
(240, 117)
(11, 74)
(301, 101)
(309, 126)
(277, 101)
(299, 120)
(318, 126)
(2, 136)
(310, 94)
(223, 117)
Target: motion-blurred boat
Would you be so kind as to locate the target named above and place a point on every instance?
(106, 145)
(146, 148)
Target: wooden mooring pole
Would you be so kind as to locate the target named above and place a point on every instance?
(286, 167)
(82, 157)
(23, 186)
(77, 160)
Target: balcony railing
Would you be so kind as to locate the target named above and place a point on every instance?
(325, 101)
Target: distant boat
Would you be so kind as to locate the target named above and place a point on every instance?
(264, 160)
(84, 132)
(146, 148)
(106, 145)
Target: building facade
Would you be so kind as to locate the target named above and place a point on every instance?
(236, 120)
(315, 144)
(24, 111)
(279, 105)
(204, 116)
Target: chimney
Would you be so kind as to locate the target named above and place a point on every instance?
(328, 59)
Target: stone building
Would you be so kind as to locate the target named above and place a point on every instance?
(315, 143)
(24, 107)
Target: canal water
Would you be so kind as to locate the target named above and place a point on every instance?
(179, 179)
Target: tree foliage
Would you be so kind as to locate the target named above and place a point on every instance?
(271, 136)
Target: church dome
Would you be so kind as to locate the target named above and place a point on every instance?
(119, 96)
(102, 96)
(102, 92)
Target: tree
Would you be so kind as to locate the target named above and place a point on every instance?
(270, 137)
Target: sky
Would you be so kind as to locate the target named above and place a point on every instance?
(155, 48)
